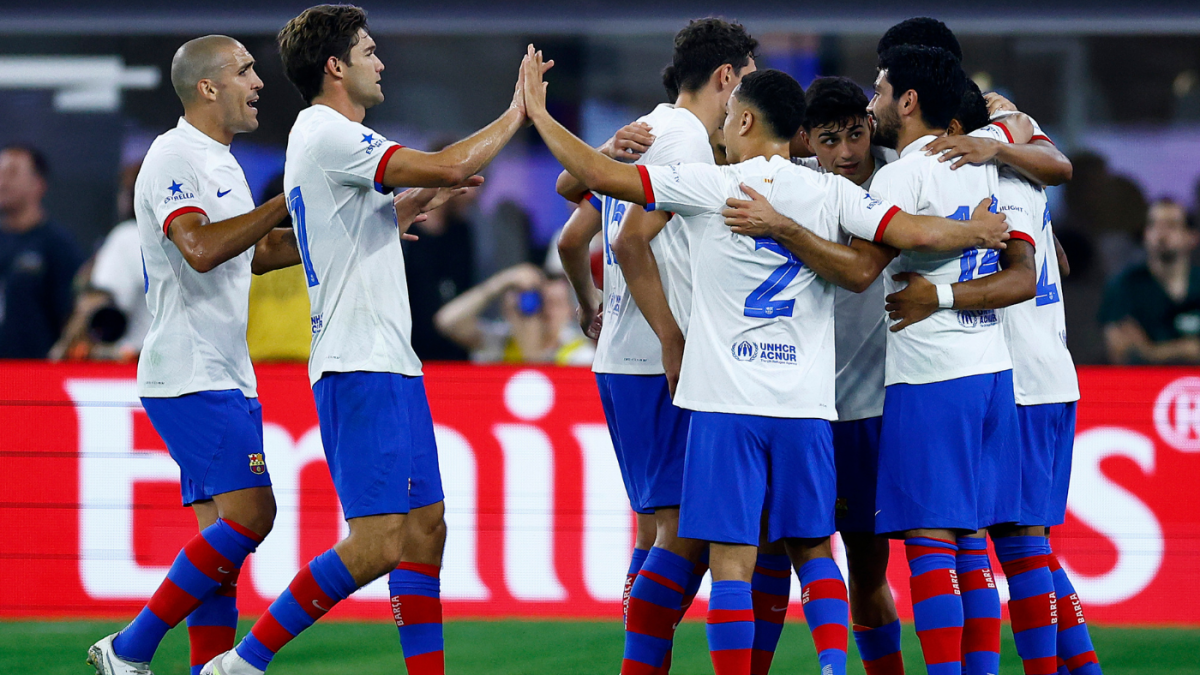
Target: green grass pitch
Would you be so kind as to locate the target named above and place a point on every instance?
(524, 647)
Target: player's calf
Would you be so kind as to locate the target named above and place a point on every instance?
(872, 608)
(981, 607)
(826, 608)
(415, 591)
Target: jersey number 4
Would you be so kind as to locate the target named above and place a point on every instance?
(761, 304)
(295, 205)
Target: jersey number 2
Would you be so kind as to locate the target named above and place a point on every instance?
(761, 303)
(970, 262)
(295, 205)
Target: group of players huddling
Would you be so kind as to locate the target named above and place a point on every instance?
(719, 366)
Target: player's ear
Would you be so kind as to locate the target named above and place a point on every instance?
(207, 89)
(908, 102)
(747, 122)
(333, 67)
(955, 128)
(724, 76)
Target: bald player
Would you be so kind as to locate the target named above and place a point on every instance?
(201, 237)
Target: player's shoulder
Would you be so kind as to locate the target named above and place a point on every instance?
(679, 137)
(172, 147)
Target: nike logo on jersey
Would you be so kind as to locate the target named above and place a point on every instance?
(222, 570)
(222, 194)
(318, 606)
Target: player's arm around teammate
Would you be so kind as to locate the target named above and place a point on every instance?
(573, 249)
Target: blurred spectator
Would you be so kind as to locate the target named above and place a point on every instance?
(279, 328)
(113, 295)
(38, 259)
(538, 324)
(439, 267)
(1151, 311)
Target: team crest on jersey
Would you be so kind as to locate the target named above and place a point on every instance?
(977, 318)
(178, 193)
(258, 464)
(373, 143)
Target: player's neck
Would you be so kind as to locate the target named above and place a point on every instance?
(339, 100)
(209, 127)
(912, 129)
(766, 148)
(704, 106)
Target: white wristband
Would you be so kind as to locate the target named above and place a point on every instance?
(945, 295)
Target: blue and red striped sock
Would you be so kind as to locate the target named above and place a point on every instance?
(315, 589)
(730, 627)
(937, 603)
(769, 589)
(827, 612)
(1074, 641)
(635, 565)
(880, 649)
(416, 592)
(654, 605)
(1031, 604)
(689, 596)
(981, 608)
(206, 562)
(212, 626)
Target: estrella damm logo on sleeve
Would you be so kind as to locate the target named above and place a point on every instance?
(258, 464)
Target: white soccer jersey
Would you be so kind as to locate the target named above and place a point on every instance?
(1036, 330)
(627, 344)
(949, 344)
(197, 338)
(860, 336)
(345, 226)
(761, 339)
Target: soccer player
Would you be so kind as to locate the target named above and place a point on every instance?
(1046, 390)
(201, 237)
(758, 365)
(375, 422)
(647, 301)
(949, 464)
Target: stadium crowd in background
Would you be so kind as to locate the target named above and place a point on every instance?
(38, 259)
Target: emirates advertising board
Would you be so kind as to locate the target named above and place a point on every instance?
(539, 525)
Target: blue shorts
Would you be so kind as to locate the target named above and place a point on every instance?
(1047, 441)
(949, 455)
(649, 434)
(379, 442)
(856, 454)
(740, 465)
(216, 438)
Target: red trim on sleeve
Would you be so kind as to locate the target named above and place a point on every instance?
(647, 187)
(1006, 132)
(1041, 137)
(587, 196)
(382, 168)
(179, 212)
(883, 222)
(1017, 234)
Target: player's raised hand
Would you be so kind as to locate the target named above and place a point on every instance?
(915, 302)
(966, 149)
(754, 217)
(533, 67)
(992, 227)
(997, 103)
(629, 143)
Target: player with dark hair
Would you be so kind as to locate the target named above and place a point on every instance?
(375, 423)
(923, 31)
(746, 349)
(647, 301)
(201, 238)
